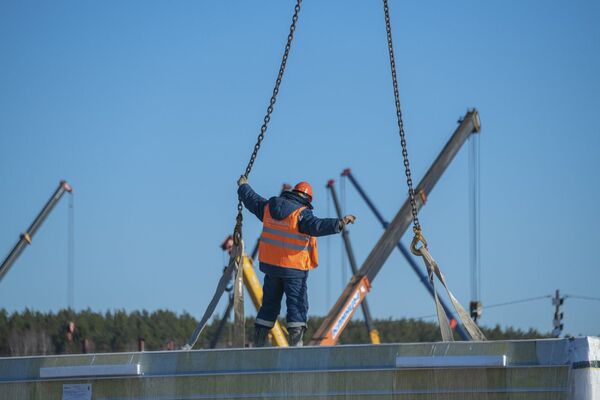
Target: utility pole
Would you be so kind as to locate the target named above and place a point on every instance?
(476, 309)
(557, 301)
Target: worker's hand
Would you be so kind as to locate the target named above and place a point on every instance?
(348, 219)
(242, 180)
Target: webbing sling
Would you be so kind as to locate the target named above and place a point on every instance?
(233, 267)
(433, 269)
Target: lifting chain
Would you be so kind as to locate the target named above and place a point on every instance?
(422, 251)
(237, 234)
(411, 193)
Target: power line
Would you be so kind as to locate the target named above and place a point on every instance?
(519, 301)
(572, 296)
(501, 304)
(557, 302)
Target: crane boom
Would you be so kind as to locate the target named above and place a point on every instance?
(373, 333)
(406, 253)
(341, 312)
(26, 237)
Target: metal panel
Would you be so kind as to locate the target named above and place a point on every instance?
(536, 369)
(91, 371)
(451, 361)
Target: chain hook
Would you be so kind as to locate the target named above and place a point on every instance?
(415, 242)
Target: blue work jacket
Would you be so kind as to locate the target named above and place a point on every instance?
(280, 207)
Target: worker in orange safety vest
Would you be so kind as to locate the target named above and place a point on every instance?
(287, 251)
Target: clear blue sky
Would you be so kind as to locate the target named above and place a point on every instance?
(150, 110)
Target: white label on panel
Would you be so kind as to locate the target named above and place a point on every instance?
(77, 392)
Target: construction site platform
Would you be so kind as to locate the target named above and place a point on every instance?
(529, 369)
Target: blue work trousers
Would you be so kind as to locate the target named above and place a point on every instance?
(296, 301)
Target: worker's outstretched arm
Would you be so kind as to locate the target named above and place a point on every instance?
(314, 226)
(252, 201)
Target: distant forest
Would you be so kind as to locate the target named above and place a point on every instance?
(69, 332)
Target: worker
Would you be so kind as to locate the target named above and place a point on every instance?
(287, 251)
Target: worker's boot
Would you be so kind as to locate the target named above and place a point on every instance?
(295, 336)
(261, 336)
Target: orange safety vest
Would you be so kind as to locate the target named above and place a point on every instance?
(283, 245)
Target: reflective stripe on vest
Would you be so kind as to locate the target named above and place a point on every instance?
(284, 244)
(289, 235)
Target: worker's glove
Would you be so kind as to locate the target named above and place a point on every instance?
(348, 219)
(242, 180)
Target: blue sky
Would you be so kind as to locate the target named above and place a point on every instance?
(150, 110)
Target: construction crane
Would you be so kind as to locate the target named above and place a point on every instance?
(422, 276)
(27, 236)
(373, 333)
(358, 287)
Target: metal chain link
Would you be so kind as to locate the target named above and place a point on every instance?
(409, 182)
(263, 129)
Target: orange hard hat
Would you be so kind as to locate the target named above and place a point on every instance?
(304, 187)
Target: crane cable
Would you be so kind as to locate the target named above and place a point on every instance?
(328, 256)
(71, 253)
(342, 247)
(475, 306)
(422, 251)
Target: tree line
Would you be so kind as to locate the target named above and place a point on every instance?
(71, 332)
